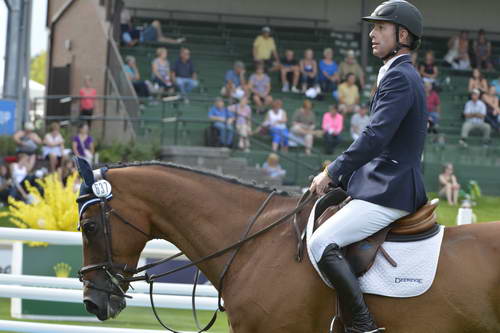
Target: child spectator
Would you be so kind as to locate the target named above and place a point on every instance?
(328, 72)
(27, 142)
(332, 125)
(223, 121)
(183, 74)
(433, 107)
(264, 48)
(235, 82)
(276, 120)
(260, 86)
(490, 99)
(482, 52)
(290, 72)
(272, 167)
(161, 70)
(304, 122)
(359, 121)
(83, 143)
(448, 185)
(477, 81)
(349, 93)
(53, 146)
(428, 69)
(134, 76)
(308, 70)
(243, 114)
(350, 65)
(474, 113)
(87, 98)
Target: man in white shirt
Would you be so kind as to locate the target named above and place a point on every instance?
(474, 113)
(359, 121)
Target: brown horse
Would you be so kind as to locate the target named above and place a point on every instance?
(266, 290)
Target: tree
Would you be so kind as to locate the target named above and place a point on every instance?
(38, 68)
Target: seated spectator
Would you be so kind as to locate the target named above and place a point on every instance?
(328, 72)
(474, 113)
(83, 143)
(260, 86)
(359, 121)
(53, 146)
(151, 33)
(433, 107)
(27, 142)
(458, 52)
(290, 72)
(482, 52)
(350, 65)
(303, 124)
(332, 125)
(428, 69)
(87, 98)
(5, 184)
(160, 68)
(308, 70)
(133, 75)
(349, 93)
(490, 99)
(223, 121)
(477, 81)
(183, 74)
(66, 169)
(264, 48)
(243, 114)
(19, 172)
(496, 83)
(276, 120)
(448, 185)
(235, 82)
(272, 167)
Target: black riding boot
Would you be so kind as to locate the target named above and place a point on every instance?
(354, 311)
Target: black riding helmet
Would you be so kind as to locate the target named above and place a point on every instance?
(401, 13)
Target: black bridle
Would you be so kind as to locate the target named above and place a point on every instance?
(115, 272)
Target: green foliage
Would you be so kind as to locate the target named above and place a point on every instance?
(38, 67)
(119, 152)
(7, 145)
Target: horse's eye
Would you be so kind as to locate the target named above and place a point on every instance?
(89, 227)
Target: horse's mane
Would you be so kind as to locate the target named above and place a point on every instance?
(204, 172)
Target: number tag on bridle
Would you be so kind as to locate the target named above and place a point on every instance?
(101, 188)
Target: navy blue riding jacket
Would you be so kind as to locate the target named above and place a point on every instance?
(383, 165)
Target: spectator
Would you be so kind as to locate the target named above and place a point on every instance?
(290, 72)
(87, 98)
(134, 76)
(161, 70)
(276, 120)
(490, 99)
(5, 184)
(272, 167)
(223, 121)
(53, 146)
(433, 107)
(428, 69)
(414, 59)
(151, 33)
(83, 143)
(458, 52)
(19, 172)
(474, 113)
(332, 125)
(264, 48)
(304, 122)
(448, 185)
(183, 73)
(477, 81)
(328, 72)
(235, 85)
(496, 83)
(27, 142)
(482, 52)
(260, 86)
(129, 35)
(349, 93)
(66, 169)
(308, 70)
(359, 121)
(243, 114)
(350, 65)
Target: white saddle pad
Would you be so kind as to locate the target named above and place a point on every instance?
(416, 270)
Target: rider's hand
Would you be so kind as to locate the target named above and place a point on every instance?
(320, 184)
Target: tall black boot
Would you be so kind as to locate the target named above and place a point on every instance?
(353, 309)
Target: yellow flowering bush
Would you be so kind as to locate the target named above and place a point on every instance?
(56, 210)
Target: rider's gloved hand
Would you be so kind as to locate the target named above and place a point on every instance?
(320, 183)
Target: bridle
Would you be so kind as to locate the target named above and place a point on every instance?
(116, 272)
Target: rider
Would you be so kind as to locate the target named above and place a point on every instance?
(381, 170)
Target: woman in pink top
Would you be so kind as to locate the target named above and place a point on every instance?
(87, 98)
(332, 125)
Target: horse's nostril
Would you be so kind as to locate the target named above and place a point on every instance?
(91, 307)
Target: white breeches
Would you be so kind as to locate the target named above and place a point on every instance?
(354, 222)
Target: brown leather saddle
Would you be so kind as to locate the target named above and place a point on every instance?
(417, 226)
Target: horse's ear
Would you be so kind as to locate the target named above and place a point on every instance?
(84, 170)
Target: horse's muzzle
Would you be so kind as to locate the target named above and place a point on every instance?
(99, 304)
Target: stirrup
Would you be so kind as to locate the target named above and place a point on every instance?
(381, 329)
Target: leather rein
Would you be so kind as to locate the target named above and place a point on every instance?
(116, 272)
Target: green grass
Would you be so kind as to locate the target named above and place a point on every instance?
(134, 317)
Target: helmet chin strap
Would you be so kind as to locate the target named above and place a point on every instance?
(398, 47)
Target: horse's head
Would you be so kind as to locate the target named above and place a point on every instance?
(111, 246)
